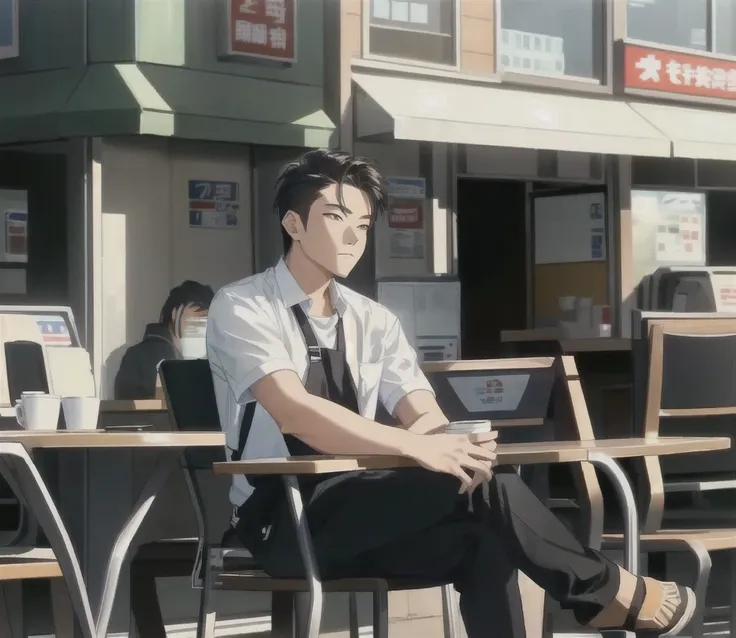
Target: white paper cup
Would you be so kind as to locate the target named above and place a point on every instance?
(38, 411)
(469, 427)
(81, 413)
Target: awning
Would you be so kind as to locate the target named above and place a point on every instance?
(147, 99)
(695, 133)
(454, 113)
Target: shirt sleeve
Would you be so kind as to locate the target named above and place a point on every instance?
(244, 342)
(401, 372)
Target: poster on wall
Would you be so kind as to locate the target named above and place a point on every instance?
(261, 29)
(570, 228)
(14, 212)
(9, 29)
(406, 202)
(213, 205)
(668, 230)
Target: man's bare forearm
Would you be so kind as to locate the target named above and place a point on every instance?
(333, 429)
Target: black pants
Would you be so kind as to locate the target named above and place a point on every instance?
(411, 523)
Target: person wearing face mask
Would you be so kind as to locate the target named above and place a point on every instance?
(136, 378)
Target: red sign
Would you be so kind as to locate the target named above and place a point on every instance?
(674, 72)
(262, 29)
(406, 213)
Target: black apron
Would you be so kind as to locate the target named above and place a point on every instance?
(328, 377)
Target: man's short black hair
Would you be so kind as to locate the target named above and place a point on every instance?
(188, 293)
(299, 184)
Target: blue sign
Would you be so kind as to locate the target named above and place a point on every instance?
(206, 190)
(596, 247)
(213, 204)
(8, 29)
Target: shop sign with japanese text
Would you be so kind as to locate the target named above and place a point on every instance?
(681, 73)
(263, 29)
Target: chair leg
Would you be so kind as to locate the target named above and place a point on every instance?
(11, 609)
(354, 622)
(144, 603)
(62, 609)
(450, 613)
(207, 613)
(703, 563)
(732, 608)
(380, 614)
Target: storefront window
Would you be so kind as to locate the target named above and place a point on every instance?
(702, 25)
(422, 30)
(560, 37)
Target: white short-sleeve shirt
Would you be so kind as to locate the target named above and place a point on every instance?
(251, 333)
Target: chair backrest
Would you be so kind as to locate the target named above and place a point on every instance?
(513, 393)
(690, 388)
(190, 399)
(26, 368)
(572, 419)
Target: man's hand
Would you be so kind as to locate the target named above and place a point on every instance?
(488, 444)
(456, 453)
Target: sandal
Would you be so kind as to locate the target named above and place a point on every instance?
(675, 605)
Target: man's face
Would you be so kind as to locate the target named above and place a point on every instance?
(333, 237)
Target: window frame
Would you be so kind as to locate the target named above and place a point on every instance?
(708, 52)
(365, 48)
(604, 64)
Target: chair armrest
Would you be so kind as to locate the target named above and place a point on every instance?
(300, 465)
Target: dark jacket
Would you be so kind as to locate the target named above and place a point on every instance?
(136, 378)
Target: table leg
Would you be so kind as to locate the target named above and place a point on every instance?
(155, 482)
(18, 463)
(611, 468)
(621, 484)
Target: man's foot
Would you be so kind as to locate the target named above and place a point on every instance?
(648, 606)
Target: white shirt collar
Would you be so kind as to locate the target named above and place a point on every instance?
(292, 294)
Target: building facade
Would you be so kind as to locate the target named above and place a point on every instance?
(504, 106)
(139, 144)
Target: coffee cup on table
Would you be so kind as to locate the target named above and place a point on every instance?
(482, 426)
(470, 428)
(81, 413)
(38, 411)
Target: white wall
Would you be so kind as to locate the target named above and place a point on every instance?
(147, 245)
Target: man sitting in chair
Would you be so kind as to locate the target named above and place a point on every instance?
(299, 363)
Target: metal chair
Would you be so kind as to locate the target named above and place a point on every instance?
(191, 402)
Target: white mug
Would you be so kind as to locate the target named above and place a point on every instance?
(81, 413)
(193, 347)
(38, 411)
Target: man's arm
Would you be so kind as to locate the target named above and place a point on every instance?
(419, 413)
(243, 337)
(324, 425)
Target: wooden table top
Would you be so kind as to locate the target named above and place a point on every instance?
(508, 454)
(101, 439)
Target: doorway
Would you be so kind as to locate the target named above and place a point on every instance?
(492, 263)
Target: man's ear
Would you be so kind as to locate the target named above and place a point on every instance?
(292, 224)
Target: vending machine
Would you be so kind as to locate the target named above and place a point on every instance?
(429, 311)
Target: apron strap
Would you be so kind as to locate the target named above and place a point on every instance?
(245, 424)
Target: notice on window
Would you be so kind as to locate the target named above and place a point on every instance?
(570, 228)
(406, 207)
(668, 230)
